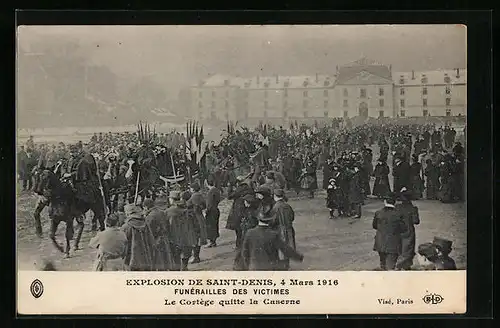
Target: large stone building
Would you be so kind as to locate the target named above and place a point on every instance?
(362, 88)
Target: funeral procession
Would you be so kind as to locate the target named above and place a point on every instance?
(349, 159)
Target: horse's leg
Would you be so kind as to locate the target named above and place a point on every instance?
(81, 225)
(69, 235)
(54, 224)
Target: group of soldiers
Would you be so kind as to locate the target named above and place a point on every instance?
(253, 169)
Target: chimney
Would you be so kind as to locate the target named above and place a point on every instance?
(413, 75)
(458, 73)
(317, 78)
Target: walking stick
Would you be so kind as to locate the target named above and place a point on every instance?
(137, 187)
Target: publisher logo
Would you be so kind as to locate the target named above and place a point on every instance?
(36, 288)
(432, 299)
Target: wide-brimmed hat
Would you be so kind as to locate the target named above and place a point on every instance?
(133, 211)
(428, 250)
(444, 245)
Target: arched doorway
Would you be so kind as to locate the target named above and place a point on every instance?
(363, 110)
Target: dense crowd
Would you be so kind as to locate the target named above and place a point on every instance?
(254, 169)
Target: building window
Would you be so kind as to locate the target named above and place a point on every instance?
(286, 92)
(346, 94)
(305, 103)
(226, 82)
(402, 91)
(266, 84)
(448, 112)
(381, 92)
(213, 104)
(425, 112)
(362, 93)
(346, 114)
(226, 104)
(287, 84)
(305, 114)
(213, 93)
(346, 104)
(447, 79)
(402, 113)
(424, 79)
(380, 113)
(424, 102)
(381, 102)
(448, 101)
(200, 94)
(325, 104)
(424, 91)
(325, 93)
(325, 113)
(448, 90)
(401, 80)
(200, 104)
(305, 93)
(326, 83)
(402, 102)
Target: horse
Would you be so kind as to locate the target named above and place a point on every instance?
(64, 206)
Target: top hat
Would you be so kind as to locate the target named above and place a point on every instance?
(444, 245)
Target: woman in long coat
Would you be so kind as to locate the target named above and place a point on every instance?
(417, 184)
(411, 218)
(237, 209)
(309, 181)
(356, 196)
(381, 187)
(446, 174)
(432, 184)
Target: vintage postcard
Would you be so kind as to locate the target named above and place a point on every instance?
(276, 169)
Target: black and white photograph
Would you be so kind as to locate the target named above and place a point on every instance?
(241, 148)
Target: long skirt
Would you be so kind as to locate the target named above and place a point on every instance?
(381, 187)
(212, 223)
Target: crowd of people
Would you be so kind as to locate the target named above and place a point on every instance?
(255, 170)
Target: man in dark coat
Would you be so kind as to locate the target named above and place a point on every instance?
(356, 197)
(381, 186)
(432, 184)
(139, 255)
(411, 218)
(237, 209)
(417, 184)
(284, 224)
(261, 247)
(401, 174)
(157, 222)
(198, 203)
(390, 225)
(212, 215)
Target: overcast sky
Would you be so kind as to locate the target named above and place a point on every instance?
(177, 56)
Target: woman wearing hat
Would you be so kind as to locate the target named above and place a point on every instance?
(431, 256)
(249, 221)
(308, 179)
(432, 184)
(381, 187)
(411, 218)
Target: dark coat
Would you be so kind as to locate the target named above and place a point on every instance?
(238, 207)
(401, 174)
(381, 187)
(417, 184)
(260, 250)
(390, 225)
(213, 213)
(411, 218)
(356, 189)
(140, 252)
(182, 226)
(284, 221)
(432, 184)
(198, 203)
(158, 224)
